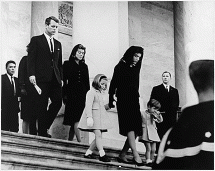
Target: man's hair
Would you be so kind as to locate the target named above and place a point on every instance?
(8, 62)
(154, 103)
(48, 20)
(202, 74)
(167, 72)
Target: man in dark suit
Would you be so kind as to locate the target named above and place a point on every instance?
(44, 66)
(169, 100)
(189, 144)
(9, 99)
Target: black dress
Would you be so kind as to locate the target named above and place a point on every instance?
(76, 85)
(125, 82)
(29, 102)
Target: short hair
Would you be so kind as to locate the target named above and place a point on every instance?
(166, 72)
(97, 80)
(48, 20)
(9, 62)
(75, 49)
(154, 103)
(202, 74)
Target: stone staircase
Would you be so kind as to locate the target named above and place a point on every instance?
(28, 152)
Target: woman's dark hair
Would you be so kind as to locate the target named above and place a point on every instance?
(97, 80)
(75, 49)
(154, 103)
(128, 55)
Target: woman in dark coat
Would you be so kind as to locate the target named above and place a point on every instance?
(76, 85)
(125, 84)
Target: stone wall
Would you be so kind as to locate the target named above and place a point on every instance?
(151, 26)
(15, 31)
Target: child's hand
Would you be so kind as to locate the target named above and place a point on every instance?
(107, 107)
(90, 121)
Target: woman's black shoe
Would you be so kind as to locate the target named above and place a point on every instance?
(89, 156)
(138, 164)
(149, 164)
(104, 158)
(120, 160)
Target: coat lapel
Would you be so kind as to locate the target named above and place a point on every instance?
(45, 43)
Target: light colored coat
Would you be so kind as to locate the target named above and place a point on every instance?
(95, 108)
(149, 127)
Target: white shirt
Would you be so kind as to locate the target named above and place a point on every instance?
(166, 87)
(48, 40)
(12, 80)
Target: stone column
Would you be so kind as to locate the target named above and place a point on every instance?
(40, 11)
(194, 39)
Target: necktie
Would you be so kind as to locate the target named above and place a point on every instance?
(52, 51)
(167, 89)
(12, 83)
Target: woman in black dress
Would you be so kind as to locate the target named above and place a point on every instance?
(76, 85)
(125, 84)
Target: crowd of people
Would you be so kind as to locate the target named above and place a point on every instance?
(186, 143)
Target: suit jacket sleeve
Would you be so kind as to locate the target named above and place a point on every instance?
(114, 81)
(60, 65)
(32, 53)
(87, 80)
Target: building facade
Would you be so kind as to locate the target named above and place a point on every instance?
(172, 34)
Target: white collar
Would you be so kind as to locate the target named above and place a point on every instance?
(10, 77)
(47, 36)
(166, 85)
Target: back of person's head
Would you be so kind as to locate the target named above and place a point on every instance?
(202, 74)
(96, 81)
(154, 103)
(48, 20)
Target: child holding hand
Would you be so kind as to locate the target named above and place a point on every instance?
(150, 135)
(94, 117)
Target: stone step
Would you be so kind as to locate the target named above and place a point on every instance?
(57, 145)
(20, 149)
(12, 163)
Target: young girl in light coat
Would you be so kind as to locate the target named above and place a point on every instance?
(95, 118)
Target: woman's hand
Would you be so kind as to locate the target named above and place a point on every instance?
(111, 100)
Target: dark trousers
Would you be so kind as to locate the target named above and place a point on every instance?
(9, 121)
(48, 112)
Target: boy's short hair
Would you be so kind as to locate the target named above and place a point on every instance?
(154, 103)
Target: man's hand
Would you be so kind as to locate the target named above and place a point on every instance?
(32, 79)
(90, 121)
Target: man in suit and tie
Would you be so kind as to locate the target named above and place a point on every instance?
(44, 67)
(169, 99)
(9, 99)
